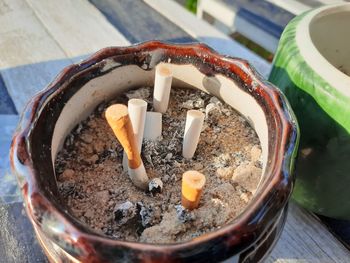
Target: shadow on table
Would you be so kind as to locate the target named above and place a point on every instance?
(6, 103)
(340, 228)
(17, 240)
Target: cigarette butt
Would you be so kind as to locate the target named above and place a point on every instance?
(162, 87)
(118, 118)
(193, 128)
(153, 125)
(139, 177)
(192, 187)
(137, 112)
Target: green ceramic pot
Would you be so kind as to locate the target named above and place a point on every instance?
(312, 68)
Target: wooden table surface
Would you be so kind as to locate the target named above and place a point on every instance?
(39, 38)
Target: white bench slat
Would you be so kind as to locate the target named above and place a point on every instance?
(217, 10)
(230, 22)
(207, 34)
(24, 45)
(329, 2)
(77, 26)
(46, 40)
(297, 7)
(227, 19)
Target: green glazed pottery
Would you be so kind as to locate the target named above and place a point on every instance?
(312, 68)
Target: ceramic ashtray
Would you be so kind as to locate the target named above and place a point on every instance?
(65, 121)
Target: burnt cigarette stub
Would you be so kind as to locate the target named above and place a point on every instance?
(184, 215)
(139, 176)
(146, 213)
(137, 113)
(118, 118)
(153, 125)
(192, 187)
(193, 128)
(162, 87)
(125, 212)
(155, 186)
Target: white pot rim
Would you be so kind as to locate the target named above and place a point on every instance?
(317, 62)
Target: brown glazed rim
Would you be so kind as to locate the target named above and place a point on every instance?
(236, 236)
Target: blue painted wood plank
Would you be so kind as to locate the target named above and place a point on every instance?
(8, 183)
(263, 14)
(139, 22)
(6, 103)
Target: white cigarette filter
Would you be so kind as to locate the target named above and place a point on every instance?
(118, 118)
(153, 125)
(193, 128)
(137, 109)
(162, 87)
(137, 112)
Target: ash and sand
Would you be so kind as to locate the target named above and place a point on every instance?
(98, 193)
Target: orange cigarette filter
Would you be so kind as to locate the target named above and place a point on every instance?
(118, 118)
(192, 187)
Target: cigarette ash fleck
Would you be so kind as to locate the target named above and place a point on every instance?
(99, 194)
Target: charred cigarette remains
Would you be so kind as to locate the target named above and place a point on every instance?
(125, 212)
(155, 186)
(162, 87)
(184, 215)
(147, 214)
(118, 119)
